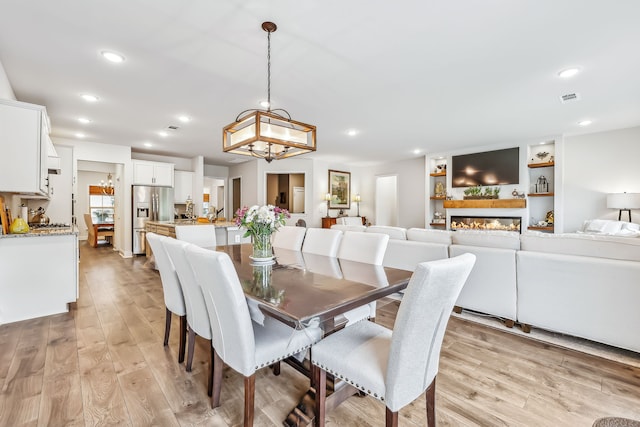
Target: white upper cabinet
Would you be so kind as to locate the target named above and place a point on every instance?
(23, 133)
(183, 186)
(152, 173)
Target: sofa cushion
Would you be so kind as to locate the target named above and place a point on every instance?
(610, 227)
(487, 238)
(393, 232)
(429, 236)
(406, 254)
(593, 245)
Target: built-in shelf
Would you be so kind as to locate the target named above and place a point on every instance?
(486, 204)
(438, 174)
(541, 165)
(540, 194)
(437, 197)
(438, 224)
(537, 228)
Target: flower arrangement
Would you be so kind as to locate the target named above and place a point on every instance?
(260, 222)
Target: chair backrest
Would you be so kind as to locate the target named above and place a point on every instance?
(322, 241)
(201, 235)
(288, 237)
(350, 220)
(231, 327)
(420, 326)
(173, 297)
(197, 315)
(363, 247)
(89, 223)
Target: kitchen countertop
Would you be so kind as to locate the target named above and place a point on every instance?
(220, 224)
(41, 232)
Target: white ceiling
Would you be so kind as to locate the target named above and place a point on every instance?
(423, 74)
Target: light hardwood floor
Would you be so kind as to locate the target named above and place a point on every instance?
(103, 363)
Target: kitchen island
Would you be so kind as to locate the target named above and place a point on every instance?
(39, 273)
(227, 232)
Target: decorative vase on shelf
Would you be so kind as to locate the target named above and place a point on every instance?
(262, 246)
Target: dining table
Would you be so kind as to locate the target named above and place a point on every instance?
(303, 290)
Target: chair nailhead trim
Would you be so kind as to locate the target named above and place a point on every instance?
(329, 370)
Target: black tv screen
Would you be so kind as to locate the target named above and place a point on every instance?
(489, 168)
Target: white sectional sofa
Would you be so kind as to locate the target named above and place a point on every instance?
(583, 285)
(579, 284)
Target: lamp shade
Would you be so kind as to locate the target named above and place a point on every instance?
(623, 201)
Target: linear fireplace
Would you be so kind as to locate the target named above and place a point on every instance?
(506, 223)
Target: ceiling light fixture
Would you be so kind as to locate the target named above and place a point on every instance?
(84, 120)
(585, 123)
(107, 186)
(163, 134)
(80, 135)
(568, 72)
(112, 56)
(352, 132)
(268, 134)
(89, 98)
(184, 119)
(148, 144)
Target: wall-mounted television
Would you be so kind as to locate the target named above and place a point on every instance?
(499, 167)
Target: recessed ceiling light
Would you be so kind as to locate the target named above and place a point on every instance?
(80, 135)
(264, 104)
(163, 134)
(89, 98)
(184, 119)
(352, 132)
(543, 142)
(416, 151)
(148, 144)
(585, 123)
(568, 72)
(84, 120)
(112, 56)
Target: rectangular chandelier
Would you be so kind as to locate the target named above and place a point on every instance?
(268, 135)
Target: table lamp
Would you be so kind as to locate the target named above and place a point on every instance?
(327, 198)
(623, 202)
(357, 199)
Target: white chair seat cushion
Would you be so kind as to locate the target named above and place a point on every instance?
(358, 355)
(276, 341)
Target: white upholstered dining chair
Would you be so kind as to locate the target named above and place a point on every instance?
(172, 290)
(288, 237)
(363, 247)
(367, 248)
(197, 315)
(243, 345)
(201, 235)
(322, 241)
(396, 366)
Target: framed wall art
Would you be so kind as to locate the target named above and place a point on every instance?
(339, 189)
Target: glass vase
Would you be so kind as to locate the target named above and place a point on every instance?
(262, 246)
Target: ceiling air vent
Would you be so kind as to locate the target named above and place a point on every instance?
(570, 97)
(172, 127)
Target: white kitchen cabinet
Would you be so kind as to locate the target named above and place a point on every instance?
(27, 292)
(183, 188)
(152, 173)
(23, 163)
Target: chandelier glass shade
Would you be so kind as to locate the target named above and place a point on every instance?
(268, 134)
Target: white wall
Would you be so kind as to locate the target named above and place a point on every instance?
(595, 165)
(411, 190)
(6, 91)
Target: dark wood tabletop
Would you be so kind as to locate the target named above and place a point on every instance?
(297, 287)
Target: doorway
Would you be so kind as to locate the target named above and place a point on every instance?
(236, 187)
(387, 200)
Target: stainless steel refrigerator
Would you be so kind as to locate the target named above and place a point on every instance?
(149, 204)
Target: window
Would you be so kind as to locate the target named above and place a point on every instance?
(101, 206)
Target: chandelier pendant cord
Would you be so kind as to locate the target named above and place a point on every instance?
(268, 71)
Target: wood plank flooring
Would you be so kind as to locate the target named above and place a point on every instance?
(103, 363)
